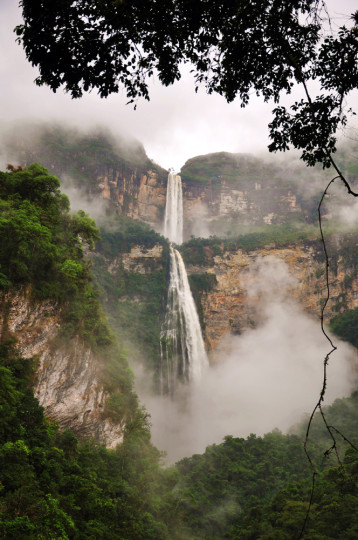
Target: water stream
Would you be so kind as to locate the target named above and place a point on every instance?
(183, 355)
(173, 217)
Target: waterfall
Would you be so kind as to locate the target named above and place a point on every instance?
(183, 355)
(173, 218)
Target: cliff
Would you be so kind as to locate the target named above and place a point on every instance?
(130, 267)
(50, 307)
(222, 192)
(134, 281)
(228, 308)
(68, 383)
(100, 166)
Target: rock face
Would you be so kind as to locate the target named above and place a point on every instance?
(136, 195)
(142, 260)
(221, 191)
(224, 189)
(116, 170)
(229, 309)
(229, 188)
(68, 382)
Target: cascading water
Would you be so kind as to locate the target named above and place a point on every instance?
(183, 355)
(173, 218)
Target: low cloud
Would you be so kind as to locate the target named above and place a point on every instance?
(79, 200)
(199, 224)
(266, 378)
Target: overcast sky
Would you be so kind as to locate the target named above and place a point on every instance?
(175, 125)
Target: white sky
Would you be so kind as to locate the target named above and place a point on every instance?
(175, 125)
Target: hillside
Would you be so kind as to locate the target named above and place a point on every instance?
(50, 306)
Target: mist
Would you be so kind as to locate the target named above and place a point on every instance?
(266, 378)
(80, 200)
(342, 209)
(199, 225)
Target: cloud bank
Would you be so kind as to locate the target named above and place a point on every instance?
(268, 377)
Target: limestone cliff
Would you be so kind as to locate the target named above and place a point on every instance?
(227, 308)
(136, 194)
(221, 191)
(99, 166)
(68, 383)
(135, 280)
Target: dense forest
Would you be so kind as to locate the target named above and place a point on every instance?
(55, 485)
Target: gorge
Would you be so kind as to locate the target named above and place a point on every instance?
(257, 293)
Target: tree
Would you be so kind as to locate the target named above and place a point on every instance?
(235, 48)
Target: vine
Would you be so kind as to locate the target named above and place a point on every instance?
(318, 406)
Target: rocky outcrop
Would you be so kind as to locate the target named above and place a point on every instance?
(99, 166)
(142, 260)
(230, 187)
(134, 194)
(68, 383)
(228, 308)
(239, 189)
(234, 187)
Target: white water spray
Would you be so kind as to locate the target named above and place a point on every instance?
(183, 355)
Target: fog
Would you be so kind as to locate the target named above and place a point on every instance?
(266, 378)
(341, 207)
(199, 225)
(175, 125)
(79, 200)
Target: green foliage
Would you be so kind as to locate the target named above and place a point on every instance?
(259, 487)
(333, 512)
(319, 272)
(45, 249)
(237, 474)
(200, 283)
(201, 251)
(44, 244)
(82, 157)
(236, 170)
(122, 233)
(54, 486)
(203, 282)
(234, 50)
(345, 325)
(133, 301)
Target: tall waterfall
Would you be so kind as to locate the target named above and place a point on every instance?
(183, 355)
(173, 218)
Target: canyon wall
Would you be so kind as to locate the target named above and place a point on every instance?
(222, 192)
(68, 381)
(118, 171)
(228, 308)
(136, 194)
